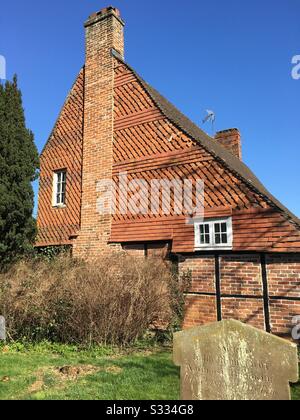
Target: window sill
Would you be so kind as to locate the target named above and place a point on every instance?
(63, 206)
(215, 248)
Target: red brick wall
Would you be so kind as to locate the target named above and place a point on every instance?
(284, 281)
(203, 273)
(250, 311)
(241, 275)
(284, 275)
(242, 292)
(282, 313)
(199, 310)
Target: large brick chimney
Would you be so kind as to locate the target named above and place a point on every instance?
(104, 32)
(231, 140)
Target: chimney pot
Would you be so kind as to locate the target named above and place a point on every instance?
(103, 13)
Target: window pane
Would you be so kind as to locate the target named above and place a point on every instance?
(224, 228)
(203, 239)
(63, 188)
(217, 227)
(62, 198)
(218, 239)
(224, 238)
(59, 188)
(204, 234)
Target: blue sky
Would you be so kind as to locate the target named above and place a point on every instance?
(232, 56)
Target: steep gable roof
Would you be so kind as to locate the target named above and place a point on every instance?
(211, 145)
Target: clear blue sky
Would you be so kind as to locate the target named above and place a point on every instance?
(232, 56)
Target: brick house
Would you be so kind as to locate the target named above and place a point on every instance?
(244, 253)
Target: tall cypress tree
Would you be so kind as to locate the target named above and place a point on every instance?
(19, 164)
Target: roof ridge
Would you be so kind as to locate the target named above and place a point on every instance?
(210, 144)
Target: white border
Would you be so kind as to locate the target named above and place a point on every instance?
(212, 246)
(54, 190)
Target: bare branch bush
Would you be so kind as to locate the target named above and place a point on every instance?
(112, 300)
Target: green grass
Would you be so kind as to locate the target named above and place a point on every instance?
(141, 375)
(33, 374)
(296, 392)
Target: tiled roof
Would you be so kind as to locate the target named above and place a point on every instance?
(211, 145)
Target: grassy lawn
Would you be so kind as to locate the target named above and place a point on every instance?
(100, 374)
(63, 373)
(296, 392)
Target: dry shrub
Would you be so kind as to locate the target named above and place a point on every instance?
(112, 300)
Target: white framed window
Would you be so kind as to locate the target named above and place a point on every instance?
(214, 234)
(59, 188)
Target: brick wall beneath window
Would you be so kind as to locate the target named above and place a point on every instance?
(199, 310)
(249, 311)
(284, 281)
(203, 273)
(243, 293)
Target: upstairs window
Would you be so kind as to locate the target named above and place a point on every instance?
(214, 234)
(59, 188)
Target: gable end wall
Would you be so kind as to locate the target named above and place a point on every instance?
(62, 151)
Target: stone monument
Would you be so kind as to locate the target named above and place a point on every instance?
(229, 360)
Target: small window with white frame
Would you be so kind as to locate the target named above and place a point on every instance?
(59, 188)
(214, 234)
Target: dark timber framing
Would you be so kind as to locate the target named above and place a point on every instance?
(264, 297)
(218, 287)
(265, 292)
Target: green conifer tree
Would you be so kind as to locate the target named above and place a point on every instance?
(19, 164)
